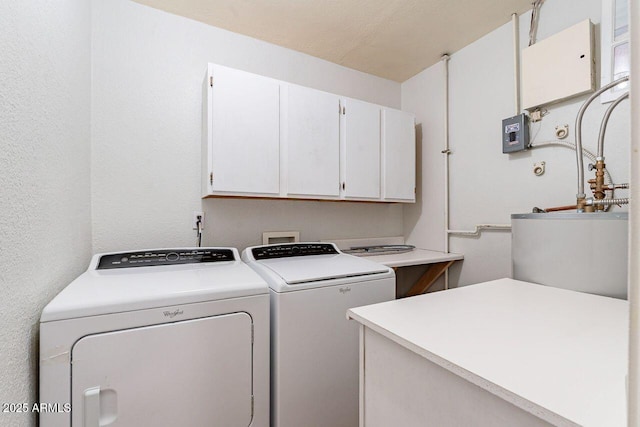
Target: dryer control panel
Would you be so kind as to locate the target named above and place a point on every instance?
(291, 250)
(164, 257)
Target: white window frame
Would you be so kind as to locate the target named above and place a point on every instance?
(608, 42)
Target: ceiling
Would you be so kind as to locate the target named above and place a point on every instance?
(394, 39)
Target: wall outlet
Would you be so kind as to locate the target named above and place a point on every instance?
(195, 220)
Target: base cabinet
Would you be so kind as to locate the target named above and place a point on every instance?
(401, 388)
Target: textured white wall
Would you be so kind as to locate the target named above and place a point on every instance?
(424, 95)
(44, 176)
(633, 395)
(148, 68)
(486, 185)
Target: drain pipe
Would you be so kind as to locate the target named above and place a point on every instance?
(479, 228)
(445, 66)
(516, 60)
(446, 151)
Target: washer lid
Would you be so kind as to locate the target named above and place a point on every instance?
(312, 268)
(98, 291)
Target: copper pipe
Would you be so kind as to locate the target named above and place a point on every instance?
(561, 208)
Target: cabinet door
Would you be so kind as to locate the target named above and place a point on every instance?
(361, 175)
(399, 156)
(313, 143)
(244, 132)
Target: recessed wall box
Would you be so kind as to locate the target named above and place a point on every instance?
(515, 133)
(559, 67)
(271, 237)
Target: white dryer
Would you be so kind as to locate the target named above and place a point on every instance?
(167, 337)
(314, 348)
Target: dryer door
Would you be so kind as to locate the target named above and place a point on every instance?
(189, 373)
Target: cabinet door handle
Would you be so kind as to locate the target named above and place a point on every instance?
(343, 185)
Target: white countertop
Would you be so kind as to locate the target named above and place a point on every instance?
(415, 257)
(558, 354)
(404, 259)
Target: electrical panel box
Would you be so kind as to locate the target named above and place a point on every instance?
(515, 133)
(559, 67)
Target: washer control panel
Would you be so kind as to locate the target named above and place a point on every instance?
(164, 257)
(294, 249)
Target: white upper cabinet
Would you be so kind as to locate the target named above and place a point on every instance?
(243, 123)
(312, 139)
(399, 156)
(263, 137)
(360, 150)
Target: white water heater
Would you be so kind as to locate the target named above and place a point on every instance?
(584, 252)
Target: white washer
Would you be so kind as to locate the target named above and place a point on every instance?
(314, 348)
(164, 337)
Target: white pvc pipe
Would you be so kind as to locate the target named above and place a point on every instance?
(633, 401)
(479, 228)
(445, 59)
(445, 151)
(516, 60)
